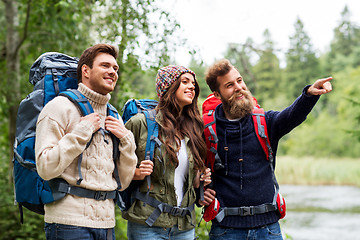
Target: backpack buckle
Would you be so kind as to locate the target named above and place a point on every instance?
(246, 211)
(176, 211)
(100, 195)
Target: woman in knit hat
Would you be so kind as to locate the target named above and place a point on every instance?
(166, 209)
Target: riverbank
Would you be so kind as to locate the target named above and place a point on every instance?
(317, 171)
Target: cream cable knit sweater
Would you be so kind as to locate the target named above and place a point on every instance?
(60, 139)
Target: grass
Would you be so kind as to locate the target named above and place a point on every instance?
(317, 171)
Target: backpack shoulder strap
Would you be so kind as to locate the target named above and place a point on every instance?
(151, 141)
(80, 101)
(210, 138)
(85, 108)
(111, 111)
(153, 133)
(212, 158)
(263, 136)
(261, 131)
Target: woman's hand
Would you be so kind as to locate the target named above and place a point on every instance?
(145, 169)
(206, 177)
(203, 176)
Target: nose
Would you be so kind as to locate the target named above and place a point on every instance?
(191, 86)
(238, 86)
(112, 71)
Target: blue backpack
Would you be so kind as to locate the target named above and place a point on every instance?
(131, 108)
(52, 74)
(134, 106)
(147, 107)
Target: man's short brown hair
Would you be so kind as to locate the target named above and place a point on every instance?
(220, 68)
(90, 54)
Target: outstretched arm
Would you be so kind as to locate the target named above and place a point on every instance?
(281, 123)
(320, 87)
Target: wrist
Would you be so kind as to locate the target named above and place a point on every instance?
(308, 90)
(138, 175)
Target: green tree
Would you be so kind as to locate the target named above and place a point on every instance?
(31, 28)
(199, 68)
(344, 48)
(142, 30)
(346, 35)
(267, 71)
(302, 65)
(240, 55)
(13, 40)
(334, 131)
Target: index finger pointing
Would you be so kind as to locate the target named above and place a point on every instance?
(324, 80)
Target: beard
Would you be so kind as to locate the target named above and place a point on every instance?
(237, 109)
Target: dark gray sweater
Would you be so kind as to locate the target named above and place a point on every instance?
(248, 182)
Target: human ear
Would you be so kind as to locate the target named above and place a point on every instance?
(85, 70)
(217, 95)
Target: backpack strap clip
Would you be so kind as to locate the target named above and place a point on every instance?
(60, 188)
(161, 207)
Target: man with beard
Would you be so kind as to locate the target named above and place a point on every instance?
(246, 186)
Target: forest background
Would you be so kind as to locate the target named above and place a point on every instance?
(147, 37)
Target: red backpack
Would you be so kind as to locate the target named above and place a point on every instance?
(213, 160)
(208, 107)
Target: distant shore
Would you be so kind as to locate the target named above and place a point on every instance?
(318, 171)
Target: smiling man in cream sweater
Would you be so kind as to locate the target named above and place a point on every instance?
(62, 135)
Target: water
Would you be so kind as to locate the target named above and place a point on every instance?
(321, 212)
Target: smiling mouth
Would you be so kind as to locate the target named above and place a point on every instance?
(189, 94)
(237, 97)
(109, 80)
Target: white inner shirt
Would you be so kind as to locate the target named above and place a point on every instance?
(181, 172)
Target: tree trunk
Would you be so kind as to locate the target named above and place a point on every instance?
(122, 47)
(12, 71)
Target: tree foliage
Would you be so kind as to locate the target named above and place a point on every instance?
(332, 126)
(345, 46)
(302, 65)
(267, 71)
(143, 42)
(200, 69)
(346, 35)
(240, 55)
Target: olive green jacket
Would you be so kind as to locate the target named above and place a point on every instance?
(162, 181)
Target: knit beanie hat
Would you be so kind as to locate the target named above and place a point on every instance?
(167, 76)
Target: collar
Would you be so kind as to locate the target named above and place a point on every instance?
(94, 96)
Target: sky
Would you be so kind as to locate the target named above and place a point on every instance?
(210, 25)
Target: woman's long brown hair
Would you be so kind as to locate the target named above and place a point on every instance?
(177, 123)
